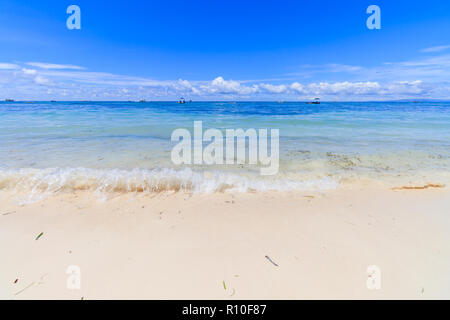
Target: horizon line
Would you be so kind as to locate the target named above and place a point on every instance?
(277, 101)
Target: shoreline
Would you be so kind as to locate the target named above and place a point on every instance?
(264, 245)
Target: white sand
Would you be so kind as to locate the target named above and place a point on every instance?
(177, 246)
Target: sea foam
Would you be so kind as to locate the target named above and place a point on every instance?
(54, 180)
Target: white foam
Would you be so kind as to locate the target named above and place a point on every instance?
(54, 180)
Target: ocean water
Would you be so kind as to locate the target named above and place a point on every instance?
(125, 146)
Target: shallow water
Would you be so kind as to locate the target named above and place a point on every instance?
(125, 146)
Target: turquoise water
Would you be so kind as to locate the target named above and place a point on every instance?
(125, 146)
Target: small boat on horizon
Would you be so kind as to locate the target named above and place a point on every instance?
(316, 101)
(9, 100)
(181, 100)
(142, 100)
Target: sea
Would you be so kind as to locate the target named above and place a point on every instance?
(51, 147)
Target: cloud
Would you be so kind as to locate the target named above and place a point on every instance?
(307, 70)
(434, 68)
(44, 65)
(221, 86)
(368, 89)
(298, 87)
(8, 66)
(186, 86)
(41, 80)
(76, 84)
(417, 87)
(332, 67)
(340, 88)
(274, 88)
(29, 71)
(335, 67)
(436, 48)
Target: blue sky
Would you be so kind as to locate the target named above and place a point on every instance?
(224, 50)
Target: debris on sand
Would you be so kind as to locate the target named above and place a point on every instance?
(7, 213)
(271, 261)
(427, 186)
(28, 286)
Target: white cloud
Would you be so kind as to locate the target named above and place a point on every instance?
(44, 65)
(434, 68)
(8, 66)
(406, 87)
(221, 86)
(436, 48)
(307, 70)
(184, 83)
(29, 71)
(335, 67)
(75, 84)
(298, 87)
(41, 80)
(340, 88)
(273, 88)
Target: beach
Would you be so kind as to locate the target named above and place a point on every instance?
(267, 245)
(215, 151)
(93, 205)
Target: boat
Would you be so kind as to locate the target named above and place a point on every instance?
(181, 100)
(316, 101)
(142, 101)
(9, 100)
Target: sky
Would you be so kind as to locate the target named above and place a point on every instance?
(225, 50)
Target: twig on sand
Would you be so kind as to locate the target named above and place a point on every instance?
(271, 261)
(28, 286)
(40, 235)
(6, 213)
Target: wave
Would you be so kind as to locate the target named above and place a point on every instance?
(54, 180)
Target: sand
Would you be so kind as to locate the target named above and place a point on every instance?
(228, 246)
